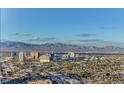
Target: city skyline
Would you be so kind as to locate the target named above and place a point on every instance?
(99, 27)
(61, 46)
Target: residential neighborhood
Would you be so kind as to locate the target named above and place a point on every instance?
(61, 68)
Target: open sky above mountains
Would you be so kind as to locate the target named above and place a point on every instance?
(99, 27)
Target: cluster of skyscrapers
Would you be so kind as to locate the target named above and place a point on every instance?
(21, 56)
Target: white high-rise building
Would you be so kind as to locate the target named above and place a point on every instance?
(21, 56)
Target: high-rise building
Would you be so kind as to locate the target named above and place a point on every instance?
(14, 55)
(27, 55)
(34, 55)
(21, 56)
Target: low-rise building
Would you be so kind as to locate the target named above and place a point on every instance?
(44, 58)
(7, 54)
(71, 54)
(8, 58)
(40, 82)
(65, 57)
(72, 81)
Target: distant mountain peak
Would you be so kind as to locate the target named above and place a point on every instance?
(55, 47)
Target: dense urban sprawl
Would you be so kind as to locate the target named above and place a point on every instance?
(61, 68)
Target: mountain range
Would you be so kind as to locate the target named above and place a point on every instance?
(57, 47)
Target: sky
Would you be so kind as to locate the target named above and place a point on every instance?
(84, 26)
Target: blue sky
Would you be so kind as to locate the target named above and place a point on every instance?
(100, 27)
